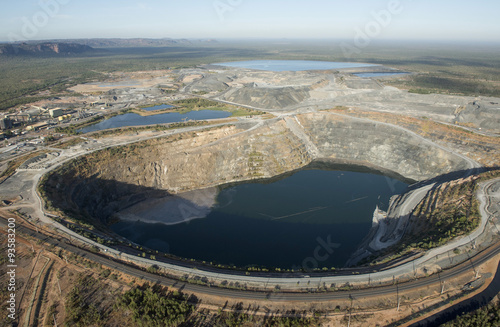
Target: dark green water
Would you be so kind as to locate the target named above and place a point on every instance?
(312, 218)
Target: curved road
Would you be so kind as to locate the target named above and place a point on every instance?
(404, 270)
(436, 279)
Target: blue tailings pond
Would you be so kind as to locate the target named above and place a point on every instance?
(292, 65)
(132, 119)
(309, 219)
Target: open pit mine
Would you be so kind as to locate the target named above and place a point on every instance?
(312, 119)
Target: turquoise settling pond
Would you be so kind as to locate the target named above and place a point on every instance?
(277, 223)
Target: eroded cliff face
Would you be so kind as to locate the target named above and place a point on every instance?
(379, 145)
(44, 49)
(109, 180)
(205, 159)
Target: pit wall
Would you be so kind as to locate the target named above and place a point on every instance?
(207, 159)
(111, 180)
(108, 181)
(380, 145)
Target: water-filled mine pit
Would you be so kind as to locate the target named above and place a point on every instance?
(206, 195)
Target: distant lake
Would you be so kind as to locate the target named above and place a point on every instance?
(132, 119)
(275, 223)
(292, 65)
(369, 75)
(160, 107)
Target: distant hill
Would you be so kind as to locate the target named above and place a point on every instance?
(138, 42)
(44, 49)
(134, 42)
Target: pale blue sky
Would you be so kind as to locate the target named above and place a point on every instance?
(415, 19)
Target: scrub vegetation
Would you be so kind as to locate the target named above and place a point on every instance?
(449, 210)
(195, 104)
(81, 310)
(155, 308)
(93, 302)
(488, 316)
(458, 69)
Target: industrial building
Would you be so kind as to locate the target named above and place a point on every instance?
(36, 127)
(57, 112)
(5, 123)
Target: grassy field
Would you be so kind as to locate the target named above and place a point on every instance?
(458, 69)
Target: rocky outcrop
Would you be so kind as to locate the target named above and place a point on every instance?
(44, 49)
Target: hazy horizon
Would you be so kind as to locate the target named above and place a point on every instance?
(453, 21)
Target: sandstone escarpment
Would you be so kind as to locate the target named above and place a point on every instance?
(44, 49)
